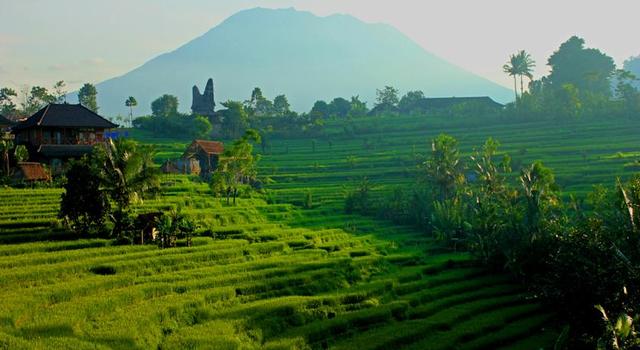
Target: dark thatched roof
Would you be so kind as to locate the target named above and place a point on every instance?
(66, 115)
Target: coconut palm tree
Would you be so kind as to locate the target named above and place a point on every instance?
(131, 102)
(520, 64)
(512, 68)
(128, 174)
(525, 65)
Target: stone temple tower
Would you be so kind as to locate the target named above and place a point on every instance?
(204, 104)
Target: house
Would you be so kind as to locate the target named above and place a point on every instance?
(207, 153)
(31, 172)
(59, 132)
(444, 103)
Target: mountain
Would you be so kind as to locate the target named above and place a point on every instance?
(296, 53)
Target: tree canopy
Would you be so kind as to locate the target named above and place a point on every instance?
(165, 106)
(87, 96)
(588, 69)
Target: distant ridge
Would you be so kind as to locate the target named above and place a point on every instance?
(296, 53)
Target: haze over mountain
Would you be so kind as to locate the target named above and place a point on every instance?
(298, 54)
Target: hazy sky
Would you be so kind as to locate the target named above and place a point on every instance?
(42, 41)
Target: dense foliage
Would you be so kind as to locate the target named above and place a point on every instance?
(104, 185)
(167, 121)
(574, 255)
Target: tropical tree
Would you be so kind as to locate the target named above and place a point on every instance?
(21, 153)
(526, 66)
(87, 96)
(60, 91)
(519, 65)
(387, 97)
(411, 101)
(5, 147)
(281, 105)
(7, 106)
(131, 102)
(339, 107)
(237, 166)
(444, 170)
(538, 192)
(588, 69)
(84, 204)
(512, 69)
(35, 98)
(236, 119)
(320, 110)
(127, 175)
(165, 106)
(358, 107)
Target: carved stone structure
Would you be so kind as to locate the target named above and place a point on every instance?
(204, 104)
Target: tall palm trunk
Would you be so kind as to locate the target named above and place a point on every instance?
(521, 85)
(6, 162)
(515, 87)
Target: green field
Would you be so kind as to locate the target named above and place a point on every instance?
(274, 275)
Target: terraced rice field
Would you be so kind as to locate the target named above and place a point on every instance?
(281, 278)
(276, 276)
(387, 150)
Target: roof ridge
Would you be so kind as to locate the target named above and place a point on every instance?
(43, 114)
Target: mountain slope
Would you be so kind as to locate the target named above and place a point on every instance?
(296, 53)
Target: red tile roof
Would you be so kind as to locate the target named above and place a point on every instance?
(209, 147)
(32, 171)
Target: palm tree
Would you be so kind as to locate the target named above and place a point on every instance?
(5, 147)
(512, 69)
(128, 174)
(526, 65)
(520, 64)
(131, 102)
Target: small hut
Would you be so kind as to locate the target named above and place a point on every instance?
(31, 172)
(189, 166)
(207, 153)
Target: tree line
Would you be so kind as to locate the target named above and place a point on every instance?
(32, 99)
(583, 82)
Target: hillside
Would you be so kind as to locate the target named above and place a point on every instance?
(273, 274)
(296, 53)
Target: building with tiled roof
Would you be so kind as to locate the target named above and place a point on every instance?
(207, 153)
(58, 132)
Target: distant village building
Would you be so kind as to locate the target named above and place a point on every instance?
(206, 152)
(443, 103)
(200, 158)
(59, 132)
